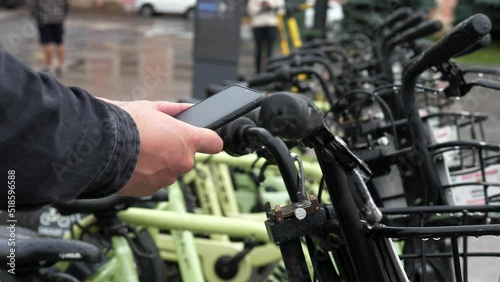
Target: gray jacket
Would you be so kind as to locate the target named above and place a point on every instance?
(50, 11)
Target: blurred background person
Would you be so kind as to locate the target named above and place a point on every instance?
(50, 16)
(263, 14)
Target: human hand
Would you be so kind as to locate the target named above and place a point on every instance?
(168, 146)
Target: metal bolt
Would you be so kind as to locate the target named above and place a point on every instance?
(300, 213)
(383, 141)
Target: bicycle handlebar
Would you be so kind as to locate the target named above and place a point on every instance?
(263, 79)
(285, 74)
(484, 42)
(242, 136)
(483, 70)
(411, 21)
(300, 61)
(458, 40)
(290, 118)
(111, 203)
(422, 30)
(294, 117)
(396, 16)
(486, 83)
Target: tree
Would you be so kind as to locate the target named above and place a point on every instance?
(363, 15)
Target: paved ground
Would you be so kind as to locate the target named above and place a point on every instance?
(128, 58)
(116, 57)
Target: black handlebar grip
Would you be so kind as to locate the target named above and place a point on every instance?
(160, 196)
(411, 21)
(483, 70)
(262, 79)
(484, 42)
(396, 16)
(458, 40)
(235, 144)
(422, 30)
(213, 88)
(290, 116)
(486, 83)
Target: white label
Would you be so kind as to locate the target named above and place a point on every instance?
(474, 194)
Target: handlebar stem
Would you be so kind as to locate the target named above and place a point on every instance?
(281, 155)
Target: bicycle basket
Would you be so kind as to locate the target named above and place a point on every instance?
(470, 172)
(439, 238)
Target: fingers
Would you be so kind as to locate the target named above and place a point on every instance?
(210, 142)
(171, 109)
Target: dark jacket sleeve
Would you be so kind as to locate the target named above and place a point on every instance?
(61, 142)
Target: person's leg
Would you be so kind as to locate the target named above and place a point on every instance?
(48, 50)
(272, 34)
(259, 44)
(61, 54)
(45, 41)
(58, 30)
(269, 35)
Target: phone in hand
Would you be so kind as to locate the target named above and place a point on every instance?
(222, 108)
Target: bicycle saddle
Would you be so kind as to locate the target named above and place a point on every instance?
(111, 203)
(31, 250)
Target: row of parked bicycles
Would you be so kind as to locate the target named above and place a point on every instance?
(354, 168)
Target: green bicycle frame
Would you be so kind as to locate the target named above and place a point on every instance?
(121, 265)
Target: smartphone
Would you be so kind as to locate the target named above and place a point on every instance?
(222, 108)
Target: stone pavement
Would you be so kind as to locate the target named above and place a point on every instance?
(114, 56)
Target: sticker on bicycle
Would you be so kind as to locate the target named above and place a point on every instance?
(473, 194)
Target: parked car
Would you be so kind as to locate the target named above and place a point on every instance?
(11, 4)
(148, 8)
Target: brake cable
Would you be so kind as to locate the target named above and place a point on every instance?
(301, 181)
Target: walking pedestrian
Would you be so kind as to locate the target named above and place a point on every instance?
(50, 16)
(264, 15)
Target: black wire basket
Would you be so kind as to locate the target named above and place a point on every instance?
(456, 126)
(469, 172)
(439, 238)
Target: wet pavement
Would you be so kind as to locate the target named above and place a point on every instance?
(113, 56)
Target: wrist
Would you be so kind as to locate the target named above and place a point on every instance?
(121, 160)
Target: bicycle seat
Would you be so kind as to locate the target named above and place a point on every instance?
(31, 250)
(111, 203)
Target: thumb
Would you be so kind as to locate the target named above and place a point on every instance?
(210, 141)
(171, 109)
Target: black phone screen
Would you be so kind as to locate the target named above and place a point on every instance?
(222, 108)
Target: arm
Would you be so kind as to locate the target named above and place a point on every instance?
(63, 143)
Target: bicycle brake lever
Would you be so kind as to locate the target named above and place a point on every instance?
(457, 87)
(344, 156)
(486, 83)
